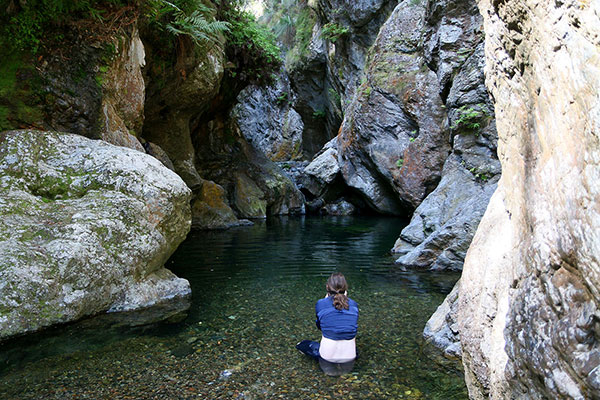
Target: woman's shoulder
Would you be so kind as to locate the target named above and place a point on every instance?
(324, 302)
(352, 303)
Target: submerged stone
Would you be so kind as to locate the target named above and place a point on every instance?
(86, 228)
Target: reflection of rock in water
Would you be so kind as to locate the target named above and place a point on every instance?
(171, 311)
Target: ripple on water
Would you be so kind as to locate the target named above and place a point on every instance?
(254, 291)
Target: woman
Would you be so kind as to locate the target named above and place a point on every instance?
(337, 318)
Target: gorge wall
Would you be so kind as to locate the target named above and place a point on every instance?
(120, 79)
(528, 305)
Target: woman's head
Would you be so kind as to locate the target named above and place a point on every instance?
(337, 287)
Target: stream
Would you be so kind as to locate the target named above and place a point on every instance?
(254, 290)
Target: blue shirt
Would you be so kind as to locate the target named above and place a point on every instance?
(337, 324)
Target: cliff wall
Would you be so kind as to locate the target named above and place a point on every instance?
(528, 311)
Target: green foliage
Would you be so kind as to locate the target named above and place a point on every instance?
(282, 99)
(332, 31)
(400, 163)
(20, 91)
(251, 46)
(480, 173)
(32, 21)
(319, 114)
(470, 117)
(305, 20)
(335, 97)
(189, 18)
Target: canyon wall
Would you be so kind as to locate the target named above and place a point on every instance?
(529, 299)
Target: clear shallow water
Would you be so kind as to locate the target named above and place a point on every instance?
(254, 290)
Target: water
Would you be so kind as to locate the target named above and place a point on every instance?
(254, 293)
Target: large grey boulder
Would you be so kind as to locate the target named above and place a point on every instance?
(86, 227)
(529, 301)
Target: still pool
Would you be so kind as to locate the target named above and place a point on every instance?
(254, 290)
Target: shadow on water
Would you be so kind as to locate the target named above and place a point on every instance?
(254, 290)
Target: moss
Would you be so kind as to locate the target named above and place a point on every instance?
(20, 91)
(4, 123)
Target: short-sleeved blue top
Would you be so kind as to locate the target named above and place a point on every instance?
(337, 324)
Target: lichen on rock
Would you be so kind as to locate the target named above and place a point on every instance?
(86, 228)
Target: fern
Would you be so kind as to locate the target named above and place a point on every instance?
(193, 22)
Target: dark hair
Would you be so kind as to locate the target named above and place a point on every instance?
(336, 287)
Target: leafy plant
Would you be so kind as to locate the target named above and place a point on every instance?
(319, 114)
(282, 98)
(480, 173)
(400, 163)
(251, 45)
(189, 18)
(332, 31)
(335, 96)
(26, 24)
(469, 117)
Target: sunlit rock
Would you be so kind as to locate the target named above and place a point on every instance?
(529, 315)
(86, 227)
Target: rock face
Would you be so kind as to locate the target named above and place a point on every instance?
(269, 122)
(529, 301)
(86, 227)
(123, 88)
(174, 100)
(442, 328)
(256, 187)
(422, 111)
(442, 227)
(394, 138)
(91, 89)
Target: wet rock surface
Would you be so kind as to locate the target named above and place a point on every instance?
(86, 227)
(529, 301)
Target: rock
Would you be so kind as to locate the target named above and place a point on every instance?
(86, 228)
(308, 81)
(268, 121)
(443, 226)
(249, 200)
(442, 328)
(529, 300)
(341, 207)
(394, 138)
(175, 96)
(94, 90)
(325, 166)
(210, 209)
(155, 151)
(123, 91)
(256, 186)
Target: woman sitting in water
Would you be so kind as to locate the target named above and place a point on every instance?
(337, 318)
